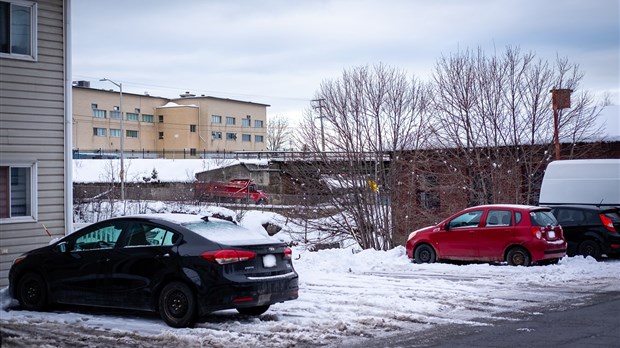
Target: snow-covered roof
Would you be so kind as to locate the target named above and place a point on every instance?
(175, 105)
(141, 170)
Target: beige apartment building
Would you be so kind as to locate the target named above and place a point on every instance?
(186, 127)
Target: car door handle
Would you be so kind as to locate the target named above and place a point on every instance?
(162, 256)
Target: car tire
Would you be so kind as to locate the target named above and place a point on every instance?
(32, 292)
(590, 248)
(518, 256)
(177, 306)
(425, 254)
(253, 311)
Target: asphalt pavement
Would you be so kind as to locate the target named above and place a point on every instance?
(594, 322)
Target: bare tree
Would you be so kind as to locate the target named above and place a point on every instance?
(370, 116)
(279, 133)
(494, 117)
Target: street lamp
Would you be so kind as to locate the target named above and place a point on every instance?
(122, 172)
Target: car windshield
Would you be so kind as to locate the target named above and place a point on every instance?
(542, 218)
(228, 233)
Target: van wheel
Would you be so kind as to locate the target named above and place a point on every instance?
(590, 248)
(177, 306)
(518, 256)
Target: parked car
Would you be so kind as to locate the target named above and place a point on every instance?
(590, 230)
(182, 266)
(518, 234)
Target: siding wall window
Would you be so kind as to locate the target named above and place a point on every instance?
(115, 133)
(115, 114)
(161, 118)
(18, 199)
(216, 135)
(18, 37)
(230, 121)
(245, 122)
(161, 136)
(231, 136)
(132, 133)
(258, 138)
(98, 113)
(99, 132)
(192, 128)
(216, 119)
(147, 118)
(246, 137)
(258, 123)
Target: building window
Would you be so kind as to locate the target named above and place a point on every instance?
(131, 116)
(246, 137)
(192, 152)
(136, 110)
(115, 133)
(161, 118)
(18, 192)
(216, 135)
(245, 122)
(258, 138)
(231, 136)
(99, 132)
(132, 133)
(97, 113)
(258, 124)
(192, 128)
(18, 37)
(161, 136)
(93, 106)
(115, 114)
(216, 119)
(147, 118)
(230, 120)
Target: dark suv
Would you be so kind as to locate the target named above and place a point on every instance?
(590, 230)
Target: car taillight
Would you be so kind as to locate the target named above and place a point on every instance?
(288, 253)
(536, 232)
(228, 256)
(607, 223)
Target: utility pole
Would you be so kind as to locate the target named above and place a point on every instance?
(320, 107)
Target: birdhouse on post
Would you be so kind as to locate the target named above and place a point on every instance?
(560, 98)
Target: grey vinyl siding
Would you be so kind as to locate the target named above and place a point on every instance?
(32, 127)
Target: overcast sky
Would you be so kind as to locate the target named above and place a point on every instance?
(278, 52)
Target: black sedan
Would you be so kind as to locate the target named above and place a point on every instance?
(182, 266)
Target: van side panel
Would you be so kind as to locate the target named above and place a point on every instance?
(594, 182)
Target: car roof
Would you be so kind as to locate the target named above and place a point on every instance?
(511, 206)
(585, 207)
(176, 218)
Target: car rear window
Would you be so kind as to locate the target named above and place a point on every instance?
(225, 232)
(542, 218)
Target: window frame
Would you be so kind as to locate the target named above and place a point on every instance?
(33, 7)
(131, 135)
(32, 214)
(259, 138)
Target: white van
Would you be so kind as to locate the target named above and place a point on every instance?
(590, 181)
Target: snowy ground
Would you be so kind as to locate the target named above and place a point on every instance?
(345, 297)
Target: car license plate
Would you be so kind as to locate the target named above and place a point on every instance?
(269, 261)
(264, 298)
(551, 234)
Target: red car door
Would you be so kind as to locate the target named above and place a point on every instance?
(495, 233)
(458, 239)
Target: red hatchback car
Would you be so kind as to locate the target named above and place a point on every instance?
(521, 235)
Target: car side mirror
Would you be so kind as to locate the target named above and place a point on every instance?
(445, 226)
(62, 247)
